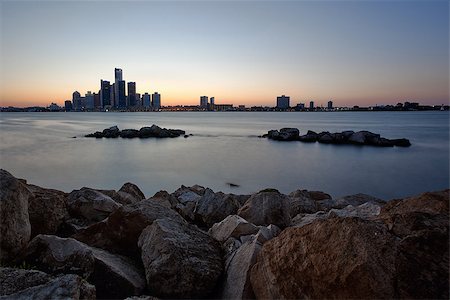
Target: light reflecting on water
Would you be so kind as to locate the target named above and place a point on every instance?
(225, 148)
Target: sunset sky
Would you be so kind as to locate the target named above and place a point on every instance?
(241, 52)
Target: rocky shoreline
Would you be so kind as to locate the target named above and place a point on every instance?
(153, 131)
(360, 138)
(197, 243)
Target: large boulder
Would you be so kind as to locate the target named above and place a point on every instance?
(267, 207)
(90, 204)
(15, 228)
(214, 207)
(132, 190)
(47, 210)
(180, 260)
(285, 134)
(111, 132)
(63, 287)
(119, 233)
(114, 276)
(309, 137)
(353, 258)
(354, 200)
(129, 133)
(301, 202)
(232, 226)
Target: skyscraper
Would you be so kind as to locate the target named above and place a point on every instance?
(121, 99)
(76, 100)
(283, 102)
(330, 104)
(117, 78)
(311, 105)
(105, 93)
(131, 94)
(89, 100)
(68, 105)
(146, 100)
(156, 101)
(203, 101)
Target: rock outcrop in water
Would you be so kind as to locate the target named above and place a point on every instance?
(345, 137)
(145, 132)
(197, 243)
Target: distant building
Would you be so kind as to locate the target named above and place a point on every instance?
(76, 100)
(131, 99)
(97, 103)
(156, 101)
(203, 101)
(283, 102)
(146, 100)
(223, 107)
(211, 101)
(330, 104)
(138, 99)
(105, 93)
(311, 105)
(117, 79)
(89, 100)
(121, 99)
(300, 106)
(68, 105)
(54, 107)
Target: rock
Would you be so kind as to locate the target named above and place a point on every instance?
(156, 131)
(14, 280)
(165, 199)
(285, 134)
(62, 287)
(401, 142)
(214, 207)
(301, 202)
(309, 137)
(90, 204)
(266, 208)
(229, 247)
(347, 134)
(132, 190)
(232, 226)
(353, 258)
(362, 137)
(15, 228)
(114, 276)
(111, 132)
(325, 138)
(169, 247)
(301, 220)
(129, 133)
(47, 210)
(355, 200)
(120, 232)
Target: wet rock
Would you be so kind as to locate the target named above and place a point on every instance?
(133, 191)
(63, 287)
(114, 276)
(119, 233)
(325, 138)
(129, 133)
(111, 132)
(90, 204)
(353, 200)
(47, 210)
(167, 247)
(285, 134)
(15, 228)
(267, 207)
(309, 137)
(232, 226)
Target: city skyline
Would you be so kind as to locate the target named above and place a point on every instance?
(355, 53)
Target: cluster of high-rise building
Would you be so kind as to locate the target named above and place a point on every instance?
(114, 96)
(283, 104)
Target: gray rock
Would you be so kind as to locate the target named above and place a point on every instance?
(64, 287)
(15, 228)
(47, 210)
(265, 208)
(180, 260)
(300, 202)
(90, 204)
(129, 133)
(214, 207)
(114, 276)
(132, 190)
(353, 200)
(232, 226)
(14, 280)
(120, 232)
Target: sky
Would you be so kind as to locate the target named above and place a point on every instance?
(240, 52)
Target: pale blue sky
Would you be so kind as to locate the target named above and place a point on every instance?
(241, 52)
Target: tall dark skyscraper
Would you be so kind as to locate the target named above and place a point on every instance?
(122, 100)
(131, 94)
(117, 78)
(156, 101)
(105, 93)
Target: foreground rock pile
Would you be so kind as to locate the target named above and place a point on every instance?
(197, 243)
(144, 132)
(345, 137)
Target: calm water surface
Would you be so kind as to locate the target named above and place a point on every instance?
(225, 148)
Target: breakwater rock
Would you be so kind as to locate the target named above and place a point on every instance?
(197, 243)
(145, 132)
(344, 137)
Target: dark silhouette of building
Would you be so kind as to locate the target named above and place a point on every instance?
(76, 100)
(330, 104)
(311, 105)
(156, 101)
(97, 103)
(117, 78)
(283, 102)
(131, 94)
(68, 105)
(121, 99)
(105, 93)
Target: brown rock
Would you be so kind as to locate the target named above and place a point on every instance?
(15, 228)
(214, 207)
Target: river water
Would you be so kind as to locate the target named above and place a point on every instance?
(225, 149)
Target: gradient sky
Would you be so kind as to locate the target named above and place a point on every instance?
(241, 52)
